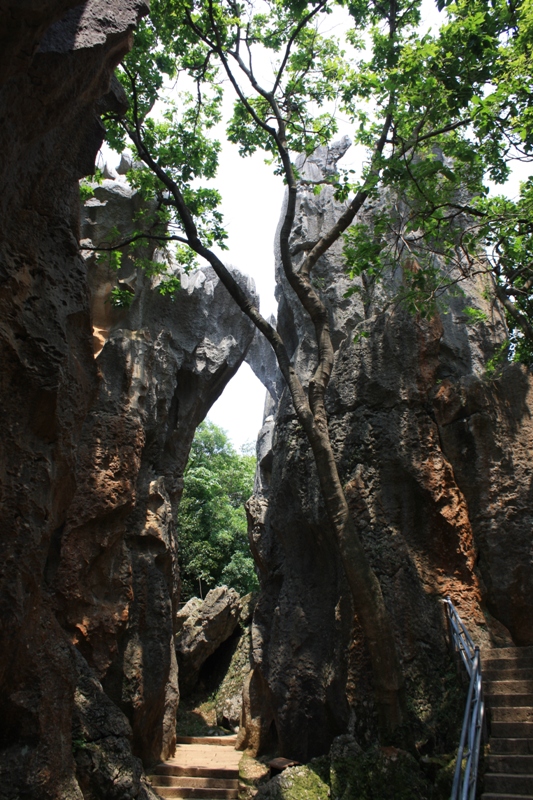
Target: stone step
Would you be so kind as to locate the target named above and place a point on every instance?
(508, 784)
(198, 772)
(512, 746)
(512, 714)
(494, 700)
(513, 730)
(509, 674)
(188, 780)
(506, 653)
(192, 792)
(225, 741)
(500, 796)
(508, 687)
(520, 662)
(511, 764)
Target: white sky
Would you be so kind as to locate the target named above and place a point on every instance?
(251, 204)
(252, 198)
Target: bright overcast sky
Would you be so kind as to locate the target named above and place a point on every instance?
(252, 198)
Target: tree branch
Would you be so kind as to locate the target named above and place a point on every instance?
(521, 319)
(136, 238)
(301, 25)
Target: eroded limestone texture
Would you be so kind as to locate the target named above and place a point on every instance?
(435, 461)
(49, 135)
(203, 625)
(92, 450)
(163, 363)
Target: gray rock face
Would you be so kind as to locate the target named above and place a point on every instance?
(23, 25)
(434, 461)
(92, 449)
(162, 362)
(49, 136)
(262, 360)
(91, 24)
(203, 627)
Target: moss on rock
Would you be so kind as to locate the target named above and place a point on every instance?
(380, 773)
(228, 699)
(253, 773)
(295, 783)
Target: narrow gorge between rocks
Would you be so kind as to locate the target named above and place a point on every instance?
(99, 409)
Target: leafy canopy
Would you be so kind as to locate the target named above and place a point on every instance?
(440, 113)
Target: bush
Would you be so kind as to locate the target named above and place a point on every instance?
(212, 528)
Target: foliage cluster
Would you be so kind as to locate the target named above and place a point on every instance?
(379, 774)
(212, 528)
(440, 113)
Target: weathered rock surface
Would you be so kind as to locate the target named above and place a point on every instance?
(22, 25)
(486, 430)
(101, 737)
(434, 458)
(202, 627)
(228, 701)
(92, 450)
(49, 136)
(163, 362)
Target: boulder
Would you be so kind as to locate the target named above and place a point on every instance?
(295, 783)
(204, 628)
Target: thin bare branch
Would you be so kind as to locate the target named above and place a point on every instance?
(137, 238)
(301, 25)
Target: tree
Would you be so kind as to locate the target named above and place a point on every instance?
(423, 106)
(212, 521)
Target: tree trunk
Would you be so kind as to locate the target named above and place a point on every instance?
(365, 589)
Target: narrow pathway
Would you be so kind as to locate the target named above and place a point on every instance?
(508, 682)
(204, 766)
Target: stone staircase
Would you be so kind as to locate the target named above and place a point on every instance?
(508, 686)
(203, 767)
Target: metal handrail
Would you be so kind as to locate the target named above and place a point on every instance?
(466, 769)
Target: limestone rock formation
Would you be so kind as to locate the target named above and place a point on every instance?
(49, 136)
(203, 627)
(92, 449)
(434, 458)
(163, 362)
(101, 737)
(228, 701)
